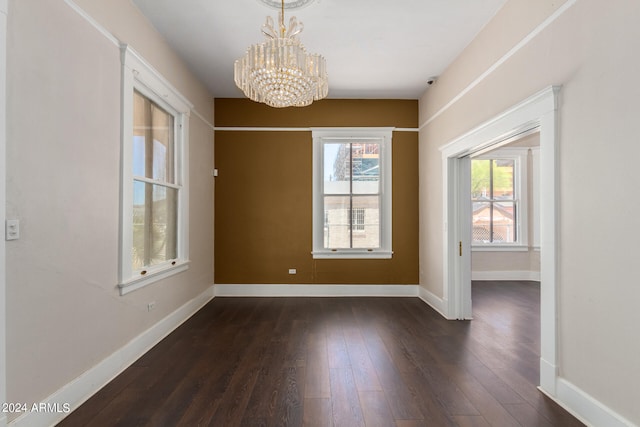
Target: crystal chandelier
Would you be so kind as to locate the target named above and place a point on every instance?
(280, 72)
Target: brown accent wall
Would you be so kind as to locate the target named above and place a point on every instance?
(263, 197)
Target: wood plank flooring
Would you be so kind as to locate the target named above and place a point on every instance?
(339, 362)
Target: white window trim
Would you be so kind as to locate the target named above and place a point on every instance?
(519, 155)
(535, 197)
(322, 135)
(139, 75)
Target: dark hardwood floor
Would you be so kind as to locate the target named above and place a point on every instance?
(339, 362)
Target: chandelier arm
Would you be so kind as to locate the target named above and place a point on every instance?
(268, 29)
(295, 27)
(282, 27)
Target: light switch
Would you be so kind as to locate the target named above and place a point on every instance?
(12, 229)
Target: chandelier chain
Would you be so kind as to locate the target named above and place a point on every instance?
(282, 27)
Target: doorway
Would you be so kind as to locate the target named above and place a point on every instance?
(505, 221)
(537, 113)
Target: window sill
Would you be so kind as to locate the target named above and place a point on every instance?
(500, 248)
(152, 276)
(352, 254)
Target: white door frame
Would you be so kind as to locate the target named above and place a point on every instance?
(537, 112)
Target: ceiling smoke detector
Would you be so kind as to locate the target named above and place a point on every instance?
(288, 4)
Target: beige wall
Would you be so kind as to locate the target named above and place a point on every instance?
(593, 54)
(264, 198)
(64, 311)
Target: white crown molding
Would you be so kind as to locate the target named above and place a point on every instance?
(83, 387)
(288, 4)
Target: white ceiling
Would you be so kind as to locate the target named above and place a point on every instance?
(373, 48)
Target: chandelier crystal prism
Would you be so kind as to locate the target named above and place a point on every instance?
(280, 72)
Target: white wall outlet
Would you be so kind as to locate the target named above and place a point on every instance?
(293, 271)
(151, 305)
(12, 229)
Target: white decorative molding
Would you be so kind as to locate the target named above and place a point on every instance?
(113, 39)
(145, 73)
(585, 407)
(287, 5)
(312, 290)
(204, 120)
(83, 387)
(522, 43)
(260, 129)
(438, 304)
(102, 30)
(506, 275)
(287, 129)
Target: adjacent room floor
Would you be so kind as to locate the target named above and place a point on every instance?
(339, 362)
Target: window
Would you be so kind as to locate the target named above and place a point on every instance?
(154, 170)
(357, 219)
(352, 193)
(498, 198)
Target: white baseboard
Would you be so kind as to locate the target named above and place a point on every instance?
(548, 377)
(584, 407)
(83, 387)
(506, 275)
(271, 290)
(438, 304)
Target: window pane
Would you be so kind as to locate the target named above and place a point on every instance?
(336, 224)
(365, 168)
(503, 222)
(154, 224)
(480, 179)
(357, 219)
(481, 218)
(366, 222)
(503, 179)
(153, 132)
(337, 168)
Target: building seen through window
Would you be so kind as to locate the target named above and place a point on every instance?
(352, 195)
